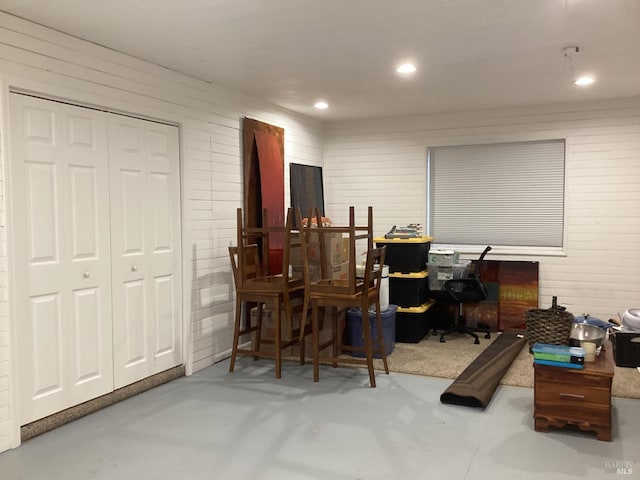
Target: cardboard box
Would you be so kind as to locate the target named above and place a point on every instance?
(443, 258)
(444, 273)
(268, 332)
(268, 326)
(345, 249)
(439, 274)
(337, 250)
(340, 271)
(325, 334)
(334, 248)
(336, 272)
(314, 272)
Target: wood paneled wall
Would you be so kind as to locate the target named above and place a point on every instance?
(382, 163)
(37, 59)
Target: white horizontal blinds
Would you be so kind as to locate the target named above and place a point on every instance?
(501, 194)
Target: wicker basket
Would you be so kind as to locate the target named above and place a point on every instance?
(552, 325)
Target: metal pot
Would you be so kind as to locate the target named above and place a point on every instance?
(586, 318)
(583, 332)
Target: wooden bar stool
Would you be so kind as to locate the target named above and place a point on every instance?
(341, 294)
(283, 292)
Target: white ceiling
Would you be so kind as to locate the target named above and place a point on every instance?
(470, 54)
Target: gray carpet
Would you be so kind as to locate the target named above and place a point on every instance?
(448, 360)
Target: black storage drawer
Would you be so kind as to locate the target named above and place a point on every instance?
(408, 289)
(626, 349)
(405, 255)
(412, 323)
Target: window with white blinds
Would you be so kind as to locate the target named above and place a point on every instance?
(501, 194)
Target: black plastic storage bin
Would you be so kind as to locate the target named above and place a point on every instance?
(354, 329)
(626, 349)
(411, 323)
(408, 289)
(405, 255)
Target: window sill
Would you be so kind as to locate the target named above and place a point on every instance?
(474, 251)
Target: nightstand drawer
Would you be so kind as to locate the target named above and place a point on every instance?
(571, 394)
(565, 376)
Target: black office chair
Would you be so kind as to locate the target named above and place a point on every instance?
(467, 290)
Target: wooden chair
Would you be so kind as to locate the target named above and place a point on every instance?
(354, 234)
(284, 292)
(341, 294)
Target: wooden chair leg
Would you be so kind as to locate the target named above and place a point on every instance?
(334, 337)
(256, 340)
(236, 336)
(368, 347)
(302, 349)
(380, 338)
(315, 335)
(303, 328)
(277, 337)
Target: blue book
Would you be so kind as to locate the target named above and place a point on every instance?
(558, 353)
(552, 363)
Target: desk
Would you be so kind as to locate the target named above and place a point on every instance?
(581, 397)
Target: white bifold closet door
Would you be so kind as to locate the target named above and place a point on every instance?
(95, 228)
(62, 264)
(145, 236)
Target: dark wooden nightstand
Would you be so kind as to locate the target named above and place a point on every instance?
(581, 397)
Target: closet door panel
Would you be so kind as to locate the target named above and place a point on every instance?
(164, 294)
(132, 212)
(135, 349)
(128, 185)
(95, 211)
(43, 216)
(88, 340)
(46, 341)
(164, 244)
(61, 260)
(88, 254)
(146, 252)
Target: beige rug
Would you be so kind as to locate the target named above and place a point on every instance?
(448, 360)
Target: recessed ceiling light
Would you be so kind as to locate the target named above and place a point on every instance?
(321, 105)
(582, 81)
(406, 68)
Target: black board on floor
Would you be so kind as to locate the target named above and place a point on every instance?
(476, 385)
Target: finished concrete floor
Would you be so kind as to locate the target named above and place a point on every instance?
(248, 425)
